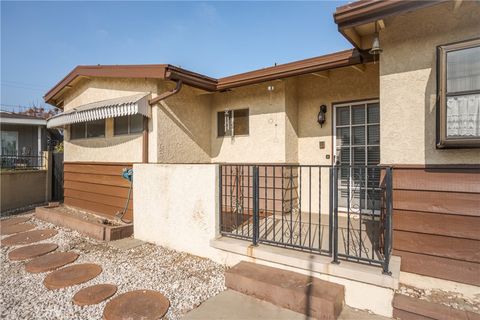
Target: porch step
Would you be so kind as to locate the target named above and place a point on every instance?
(311, 296)
(408, 308)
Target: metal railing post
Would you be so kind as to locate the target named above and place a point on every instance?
(220, 198)
(334, 211)
(256, 218)
(388, 220)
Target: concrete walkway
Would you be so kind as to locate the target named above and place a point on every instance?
(236, 306)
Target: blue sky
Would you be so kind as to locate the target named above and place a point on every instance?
(42, 41)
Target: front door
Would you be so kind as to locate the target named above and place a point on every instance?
(357, 152)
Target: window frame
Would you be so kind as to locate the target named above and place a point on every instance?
(85, 132)
(129, 127)
(443, 141)
(233, 124)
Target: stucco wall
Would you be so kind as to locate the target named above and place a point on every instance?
(22, 188)
(408, 82)
(342, 85)
(183, 126)
(266, 139)
(176, 206)
(109, 149)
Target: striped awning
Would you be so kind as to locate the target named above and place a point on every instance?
(118, 107)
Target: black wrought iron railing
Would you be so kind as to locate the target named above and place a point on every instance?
(340, 211)
(16, 162)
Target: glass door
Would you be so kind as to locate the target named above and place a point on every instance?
(357, 147)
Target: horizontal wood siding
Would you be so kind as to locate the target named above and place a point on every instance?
(97, 187)
(436, 221)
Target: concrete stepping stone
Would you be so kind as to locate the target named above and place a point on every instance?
(28, 237)
(139, 304)
(16, 228)
(50, 262)
(94, 294)
(72, 275)
(31, 251)
(12, 221)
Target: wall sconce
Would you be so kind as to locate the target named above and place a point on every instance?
(321, 115)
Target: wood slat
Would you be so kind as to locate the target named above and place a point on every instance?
(113, 170)
(98, 198)
(421, 309)
(439, 202)
(467, 227)
(438, 267)
(121, 192)
(441, 246)
(97, 179)
(102, 209)
(452, 180)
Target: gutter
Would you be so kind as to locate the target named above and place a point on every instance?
(167, 94)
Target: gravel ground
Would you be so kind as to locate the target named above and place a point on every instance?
(184, 279)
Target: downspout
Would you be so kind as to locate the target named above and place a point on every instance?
(166, 94)
(152, 102)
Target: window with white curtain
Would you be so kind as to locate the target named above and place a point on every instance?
(459, 94)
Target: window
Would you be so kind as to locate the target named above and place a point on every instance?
(9, 142)
(233, 122)
(128, 124)
(91, 129)
(459, 94)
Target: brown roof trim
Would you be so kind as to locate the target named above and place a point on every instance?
(364, 11)
(193, 79)
(156, 71)
(329, 61)
(168, 72)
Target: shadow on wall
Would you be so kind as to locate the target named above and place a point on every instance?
(105, 142)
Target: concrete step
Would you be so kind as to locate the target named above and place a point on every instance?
(408, 308)
(300, 293)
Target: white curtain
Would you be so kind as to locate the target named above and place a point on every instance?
(463, 116)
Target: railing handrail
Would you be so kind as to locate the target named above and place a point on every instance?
(249, 218)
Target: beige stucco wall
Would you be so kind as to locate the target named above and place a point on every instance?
(22, 188)
(408, 82)
(266, 139)
(127, 148)
(341, 85)
(183, 126)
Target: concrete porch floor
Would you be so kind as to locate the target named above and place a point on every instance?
(233, 305)
(357, 236)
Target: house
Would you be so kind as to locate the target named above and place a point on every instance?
(22, 136)
(368, 157)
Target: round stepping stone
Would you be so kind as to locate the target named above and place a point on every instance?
(139, 304)
(94, 294)
(50, 262)
(12, 221)
(16, 228)
(72, 275)
(31, 251)
(29, 237)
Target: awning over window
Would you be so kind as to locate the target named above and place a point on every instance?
(118, 107)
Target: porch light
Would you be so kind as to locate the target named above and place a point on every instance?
(376, 49)
(321, 115)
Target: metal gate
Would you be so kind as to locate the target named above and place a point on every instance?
(298, 207)
(57, 176)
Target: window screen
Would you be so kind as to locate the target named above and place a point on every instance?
(96, 129)
(238, 119)
(459, 94)
(128, 124)
(77, 130)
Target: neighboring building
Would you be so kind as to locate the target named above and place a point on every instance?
(22, 135)
(413, 108)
